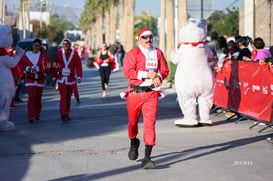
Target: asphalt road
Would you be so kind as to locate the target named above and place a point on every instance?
(94, 145)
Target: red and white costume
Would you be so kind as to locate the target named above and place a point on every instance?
(67, 68)
(137, 63)
(34, 81)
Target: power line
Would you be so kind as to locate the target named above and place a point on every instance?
(231, 4)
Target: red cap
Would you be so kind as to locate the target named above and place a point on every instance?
(144, 31)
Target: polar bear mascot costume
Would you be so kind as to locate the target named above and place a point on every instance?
(194, 79)
(7, 88)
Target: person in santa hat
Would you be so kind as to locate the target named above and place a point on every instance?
(35, 63)
(67, 69)
(145, 66)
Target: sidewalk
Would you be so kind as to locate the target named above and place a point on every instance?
(94, 145)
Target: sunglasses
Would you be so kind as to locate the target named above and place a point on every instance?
(146, 37)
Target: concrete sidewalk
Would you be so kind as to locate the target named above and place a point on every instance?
(94, 145)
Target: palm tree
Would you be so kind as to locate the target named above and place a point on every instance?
(122, 21)
(162, 42)
(129, 19)
(113, 21)
(170, 27)
(182, 14)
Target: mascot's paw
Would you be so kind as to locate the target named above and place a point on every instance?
(205, 123)
(7, 126)
(186, 123)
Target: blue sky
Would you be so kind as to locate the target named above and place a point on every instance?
(152, 5)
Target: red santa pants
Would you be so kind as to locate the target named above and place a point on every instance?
(147, 102)
(34, 104)
(65, 93)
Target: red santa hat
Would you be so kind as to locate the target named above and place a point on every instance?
(143, 32)
(67, 39)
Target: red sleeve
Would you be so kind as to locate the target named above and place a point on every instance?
(163, 65)
(22, 64)
(129, 66)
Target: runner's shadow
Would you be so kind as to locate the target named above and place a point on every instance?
(166, 160)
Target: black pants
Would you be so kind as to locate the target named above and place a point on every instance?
(104, 76)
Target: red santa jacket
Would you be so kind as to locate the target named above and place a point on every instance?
(35, 78)
(134, 65)
(67, 67)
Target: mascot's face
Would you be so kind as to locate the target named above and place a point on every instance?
(193, 31)
(6, 36)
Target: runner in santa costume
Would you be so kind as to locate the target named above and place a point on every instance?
(7, 89)
(35, 63)
(67, 68)
(145, 67)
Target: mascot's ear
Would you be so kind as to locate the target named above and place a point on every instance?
(204, 22)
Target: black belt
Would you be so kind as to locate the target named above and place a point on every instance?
(139, 89)
(35, 79)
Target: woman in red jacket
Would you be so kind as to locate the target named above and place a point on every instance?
(35, 63)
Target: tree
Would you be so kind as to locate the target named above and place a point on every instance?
(224, 23)
(40, 33)
(145, 21)
(57, 27)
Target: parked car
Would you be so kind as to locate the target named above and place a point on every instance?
(24, 44)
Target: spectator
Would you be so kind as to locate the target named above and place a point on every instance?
(51, 52)
(244, 53)
(221, 46)
(212, 43)
(232, 50)
(120, 53)
(262, 53)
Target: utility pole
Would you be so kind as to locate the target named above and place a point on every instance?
(2, 11)
(202, 9)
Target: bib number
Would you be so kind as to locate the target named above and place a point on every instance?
(66, 72)
(151, 64)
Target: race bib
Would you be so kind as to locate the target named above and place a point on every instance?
(66, 72)
(104, 65)
(151, 64)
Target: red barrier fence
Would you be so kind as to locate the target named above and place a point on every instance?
(246, 88)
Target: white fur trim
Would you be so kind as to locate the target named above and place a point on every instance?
(96, 65)
(122, 95)
(145, 33)
(140, 75)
